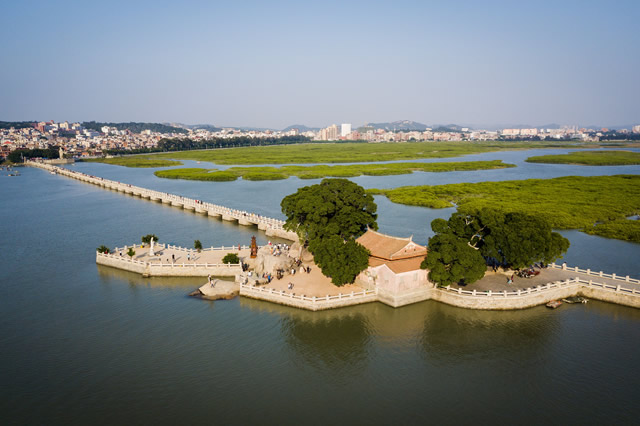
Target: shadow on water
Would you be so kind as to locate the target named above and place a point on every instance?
(456, 334)
(109, 275)
(336, 342)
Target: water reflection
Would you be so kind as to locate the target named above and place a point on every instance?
(336, 344)
(455, 334)
(109, 275)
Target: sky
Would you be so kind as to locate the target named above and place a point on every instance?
(277, 63)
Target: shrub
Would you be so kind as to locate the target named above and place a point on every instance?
(147, 238)
(231, 258)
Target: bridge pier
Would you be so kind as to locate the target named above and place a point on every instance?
(271, 226)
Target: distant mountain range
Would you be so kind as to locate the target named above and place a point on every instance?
(406, 125)
(301, 127)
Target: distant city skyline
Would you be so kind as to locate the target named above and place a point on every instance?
(273, 64)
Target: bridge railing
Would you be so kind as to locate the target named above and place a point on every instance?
(601, 274)
(542, 289)
(248, 288)
(237, 214)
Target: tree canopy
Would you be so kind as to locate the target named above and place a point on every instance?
(339, 259)
(330, 216)
(465, 243)
(332, 207)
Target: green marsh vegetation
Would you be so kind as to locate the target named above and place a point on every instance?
(318, 172)
(572, 202)
(355, 152)
(590, 158)
(620, 229)
(136, 161)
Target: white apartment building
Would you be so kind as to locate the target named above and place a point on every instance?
(345, 129)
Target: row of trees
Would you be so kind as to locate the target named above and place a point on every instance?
(329, 217)
(186, 144)
(17, 155)
(463, 245)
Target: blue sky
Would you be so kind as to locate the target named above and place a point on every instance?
(271, 64)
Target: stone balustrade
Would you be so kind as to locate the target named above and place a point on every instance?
(312, 303)
(168, 269)
(271, 226)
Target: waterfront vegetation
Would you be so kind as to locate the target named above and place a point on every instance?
(136, 161)
(462, 246)
(621, 229)
(318, 172)
(355, 152)
(590, 158)
(572, 202)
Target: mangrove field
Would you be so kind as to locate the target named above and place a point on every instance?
(590, 158)
(355, 152)
(597, 205)
(136, 161)
(322, 171)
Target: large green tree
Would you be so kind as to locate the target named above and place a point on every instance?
(463, 244)
(451, 259)
(330, 216)
(332, 207)
(339, 259)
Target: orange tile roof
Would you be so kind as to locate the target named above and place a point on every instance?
(390, 248)
(398, 266)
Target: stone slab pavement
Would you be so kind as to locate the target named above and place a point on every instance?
(498, 281)
(183, 256)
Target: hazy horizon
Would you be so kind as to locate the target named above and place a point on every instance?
(271, 65)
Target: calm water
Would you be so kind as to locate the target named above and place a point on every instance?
(84, 344)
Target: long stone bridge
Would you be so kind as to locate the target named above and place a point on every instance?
(272, 227)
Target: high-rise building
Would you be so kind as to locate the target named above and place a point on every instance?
(636, 129)
(345, 129)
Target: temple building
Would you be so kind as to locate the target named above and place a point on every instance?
(394, 265)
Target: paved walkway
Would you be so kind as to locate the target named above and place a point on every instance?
(498, 281)
(179, 256)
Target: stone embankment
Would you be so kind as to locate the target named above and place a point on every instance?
(311, 303)
(272, 227)
(154, 266)
(594, 285)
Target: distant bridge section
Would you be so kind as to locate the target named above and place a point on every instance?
(271, 227)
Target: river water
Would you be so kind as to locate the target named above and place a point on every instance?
(84, 344)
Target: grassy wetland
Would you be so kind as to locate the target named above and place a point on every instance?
(317, 172)
(597, 205)
(327, 152)
(590, 158)
(136, 161)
